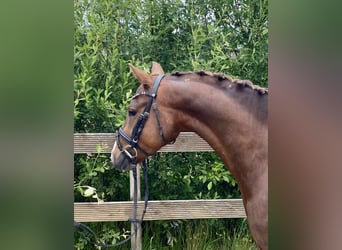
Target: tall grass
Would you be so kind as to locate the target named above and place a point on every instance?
(202, 235)
(199, 234)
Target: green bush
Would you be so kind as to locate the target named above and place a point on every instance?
(219, 36)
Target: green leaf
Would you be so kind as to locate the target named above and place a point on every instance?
(89, 192)
(210, 185)
(98, 149)
(93, 173)
(225, 178)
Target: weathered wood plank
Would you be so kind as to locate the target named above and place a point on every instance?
(186, 142)
(160, 210)
(86, 142)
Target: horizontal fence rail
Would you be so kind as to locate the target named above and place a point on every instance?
(186, 142)
(160, 210)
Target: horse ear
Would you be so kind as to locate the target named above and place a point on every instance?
(157, 69)
(143, 77)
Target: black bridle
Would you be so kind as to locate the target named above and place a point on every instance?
(130, 150)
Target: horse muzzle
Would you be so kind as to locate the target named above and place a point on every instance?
(121, 163)
(123, 159)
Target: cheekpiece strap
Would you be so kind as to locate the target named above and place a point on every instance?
(156, 85)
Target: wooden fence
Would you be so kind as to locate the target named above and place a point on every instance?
(157, 210)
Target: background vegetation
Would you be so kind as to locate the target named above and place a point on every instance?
(219, 36)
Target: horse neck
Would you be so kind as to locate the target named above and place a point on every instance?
(220, 118)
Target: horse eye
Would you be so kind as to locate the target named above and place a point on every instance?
(132, 112)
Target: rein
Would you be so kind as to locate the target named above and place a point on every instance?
(98, 242)
(130, 151)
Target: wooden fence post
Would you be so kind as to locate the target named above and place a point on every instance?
(136, 239)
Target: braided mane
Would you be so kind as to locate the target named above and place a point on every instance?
(220, 78)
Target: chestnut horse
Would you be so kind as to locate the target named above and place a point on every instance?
(231, 115)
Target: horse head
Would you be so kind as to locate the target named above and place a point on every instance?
(148, 124)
